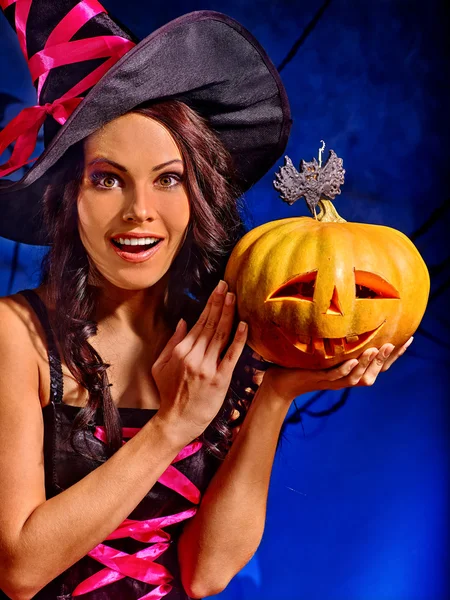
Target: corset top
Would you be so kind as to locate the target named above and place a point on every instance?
(139, 559)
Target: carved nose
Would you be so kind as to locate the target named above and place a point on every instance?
(334, 307)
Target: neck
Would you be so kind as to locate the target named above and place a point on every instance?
(138, 311)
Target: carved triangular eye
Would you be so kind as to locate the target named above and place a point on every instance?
(371, 286)
(300, 287)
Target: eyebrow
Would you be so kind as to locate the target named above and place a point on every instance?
(101, 159)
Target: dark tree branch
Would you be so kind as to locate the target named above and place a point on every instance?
(440, 290)
(329, 411)
(436, 270)
(432, 337)
(435, 216)
(308, 29)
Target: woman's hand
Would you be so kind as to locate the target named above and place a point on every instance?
(290, 383)
(191, 378)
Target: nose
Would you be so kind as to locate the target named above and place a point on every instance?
(334, 307)
(140, 206)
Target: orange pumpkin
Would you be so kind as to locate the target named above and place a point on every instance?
(316, 292)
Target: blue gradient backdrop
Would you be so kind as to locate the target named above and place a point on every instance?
(358, 501)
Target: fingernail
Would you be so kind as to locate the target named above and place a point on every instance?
(221, 286)
(229, 298)
(387, 352)
(242, 326)
(409, 342)
(179, 324)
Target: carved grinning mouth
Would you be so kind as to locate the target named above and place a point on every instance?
(330, 347)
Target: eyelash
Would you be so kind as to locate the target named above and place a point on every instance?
(97, 177)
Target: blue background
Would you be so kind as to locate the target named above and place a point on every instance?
(358, 501)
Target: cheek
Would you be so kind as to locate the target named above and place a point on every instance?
(86, 225)
(95, 213)
(92, 222)
(184, 218)
(176, 214)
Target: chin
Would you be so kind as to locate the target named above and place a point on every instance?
(131, 282)
(128, 277)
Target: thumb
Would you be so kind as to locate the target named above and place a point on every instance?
(176, 338)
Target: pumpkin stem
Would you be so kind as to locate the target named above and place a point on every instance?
(328, 213)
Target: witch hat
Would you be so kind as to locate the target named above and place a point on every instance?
(88, 69)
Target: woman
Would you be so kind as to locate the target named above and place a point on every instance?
(160, 175)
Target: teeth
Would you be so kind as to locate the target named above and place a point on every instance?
(137, 241)
(337, 345)
(352, 338)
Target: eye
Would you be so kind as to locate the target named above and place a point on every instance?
(103, 180)
(371, 286)
(168, 180)
(300, 287)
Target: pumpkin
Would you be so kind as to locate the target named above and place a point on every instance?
(318, 291)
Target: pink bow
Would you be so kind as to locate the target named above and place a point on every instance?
(24, 129)
(58, 51)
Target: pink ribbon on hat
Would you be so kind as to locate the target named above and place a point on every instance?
(76, 51)
(5, 3)
(24, 129)
(58, 51)
(68, 27)
(141, 565)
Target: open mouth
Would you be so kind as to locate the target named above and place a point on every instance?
(330, 347)
(135, 245)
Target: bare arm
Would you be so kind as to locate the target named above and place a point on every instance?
(41, 538)
(192, 383)
(31, 527)
(227, 529)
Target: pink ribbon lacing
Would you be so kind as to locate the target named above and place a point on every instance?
(58, 51)
(141, 565)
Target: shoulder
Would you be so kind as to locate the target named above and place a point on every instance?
(22, 341)
(19, 323)
(16, 320)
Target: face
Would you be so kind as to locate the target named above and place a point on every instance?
(133, 209)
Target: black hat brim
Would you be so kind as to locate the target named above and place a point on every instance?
(205, 59)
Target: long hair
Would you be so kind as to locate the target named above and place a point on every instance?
(214, 228)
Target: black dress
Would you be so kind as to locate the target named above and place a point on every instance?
(146, 543)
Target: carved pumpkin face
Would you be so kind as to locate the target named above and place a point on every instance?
(315, 294)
